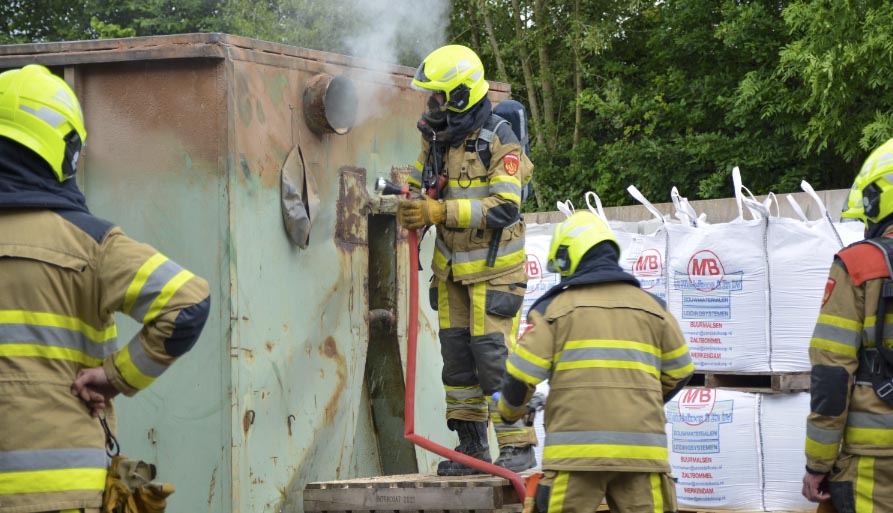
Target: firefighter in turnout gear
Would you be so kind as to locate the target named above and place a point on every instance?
(64, 273)
(613, 355)
(849, 430)
(479, 257)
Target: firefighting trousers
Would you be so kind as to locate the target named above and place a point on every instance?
(862, 484)
(478, 323)
(626, 492)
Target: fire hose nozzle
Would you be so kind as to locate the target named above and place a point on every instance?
(388, 188)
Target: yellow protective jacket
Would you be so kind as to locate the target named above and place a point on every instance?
(479, 201)
(63, 275)
(612, 354)
(845, 412)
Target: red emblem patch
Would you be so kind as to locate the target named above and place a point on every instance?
(511, 163)
(829, 286)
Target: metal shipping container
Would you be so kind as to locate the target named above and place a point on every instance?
(298, 375)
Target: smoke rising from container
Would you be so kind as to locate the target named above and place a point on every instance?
(392, 32)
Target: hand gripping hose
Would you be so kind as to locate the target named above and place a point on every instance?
(409, 420)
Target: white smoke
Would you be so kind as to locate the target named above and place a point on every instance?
(399, 28)
(392, 31)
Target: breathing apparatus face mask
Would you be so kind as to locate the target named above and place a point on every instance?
(562, 261)
(73, 147)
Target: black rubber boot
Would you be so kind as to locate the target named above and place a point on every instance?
(516, 459)
(472, 441)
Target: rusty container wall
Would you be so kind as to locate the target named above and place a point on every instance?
(187, 139)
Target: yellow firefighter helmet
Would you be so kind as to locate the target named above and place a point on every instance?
(573, 237)
(39, 111)
(456, 71)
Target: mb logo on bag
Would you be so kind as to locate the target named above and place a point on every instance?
(707, 287)
(696, 417)
(705, 271)
(649, 269)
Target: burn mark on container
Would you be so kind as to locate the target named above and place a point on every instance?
(268, 345)
(244, 100)
(353, 207)
(211, 487)
(329, 349)
(243, 164)
(247, 421)
(261, 118)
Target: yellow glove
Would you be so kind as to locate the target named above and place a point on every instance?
(416, 214)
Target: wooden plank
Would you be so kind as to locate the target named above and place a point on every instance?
(400, 499)
(798, 381)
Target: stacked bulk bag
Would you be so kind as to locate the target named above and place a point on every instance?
(643, 247)
(782, 430)
(539, 279)
(800, 253)
(738, 451)
(711, 435)
(718, 290)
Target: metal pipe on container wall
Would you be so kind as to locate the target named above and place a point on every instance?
(330, 104)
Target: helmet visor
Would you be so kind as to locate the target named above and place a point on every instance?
(421, 82)
(853, 208)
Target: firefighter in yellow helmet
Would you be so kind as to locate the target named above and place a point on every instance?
(613, 355)
(479, 258)
(849, 430)
(63, 275)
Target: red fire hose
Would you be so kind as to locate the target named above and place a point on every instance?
(409, 419)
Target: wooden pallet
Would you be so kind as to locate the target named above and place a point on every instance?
(685, 510)
(413, 492)
(757, 382)
(425, 493)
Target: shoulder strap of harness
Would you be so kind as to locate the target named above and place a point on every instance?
(481, 145)
(878, 263)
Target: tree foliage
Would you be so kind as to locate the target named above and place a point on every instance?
(620, 92)
(678, 92)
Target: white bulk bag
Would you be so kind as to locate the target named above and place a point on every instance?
(719, 291)
(539, 425)
(800, 255)
(539, 279)
(850, 231)
(713, 449)
(644, 255)
(782, 435)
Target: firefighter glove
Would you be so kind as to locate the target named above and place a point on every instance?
(416, 214)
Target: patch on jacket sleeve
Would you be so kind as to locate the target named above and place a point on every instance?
(511, 163)
(829, 287)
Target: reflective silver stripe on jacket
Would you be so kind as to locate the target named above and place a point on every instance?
(51, 459)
